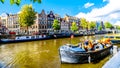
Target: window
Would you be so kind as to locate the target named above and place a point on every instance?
(106, 37)
(32, 37)
(37, 36)
(42, 27)
(111, 37)
(27, 37)
(117, 37)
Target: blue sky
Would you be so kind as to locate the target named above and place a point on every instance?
(62, 7)
(105, 10)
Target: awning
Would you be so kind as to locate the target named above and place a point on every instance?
(12, 32)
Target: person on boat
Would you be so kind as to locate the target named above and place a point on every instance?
(88, 46)
(106, 42)
(99, 46)
(85, 45)
(86, 42)
(80, 45)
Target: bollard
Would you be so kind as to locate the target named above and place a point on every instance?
(89, 59)
(115, 49)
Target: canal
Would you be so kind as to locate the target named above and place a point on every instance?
(41, 54)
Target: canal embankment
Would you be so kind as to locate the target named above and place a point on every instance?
(113, 62)
(49, 36)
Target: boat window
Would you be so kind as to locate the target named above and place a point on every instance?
(17, 37)
(37, 36)
(117, 37)
(111, 37)
(32, 37)
(106, 36)
(27, 37)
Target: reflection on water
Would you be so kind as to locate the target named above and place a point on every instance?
(40, 54)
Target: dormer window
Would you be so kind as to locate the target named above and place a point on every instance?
(51, 15)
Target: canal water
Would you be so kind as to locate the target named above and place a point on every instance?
(41, 54)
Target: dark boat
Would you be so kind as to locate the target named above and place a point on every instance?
(25, 38)
(114, 38)
(74, 54)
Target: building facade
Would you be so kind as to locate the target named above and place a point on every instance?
(13, 24)
(57, 17)
(103, 26)
(50, 20)
(4, 22)
(64, 25)
(4, 19)
(42, 22)
(71, 19)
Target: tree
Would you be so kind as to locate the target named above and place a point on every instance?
(84, 23)
(27, 16)
(100, 27)
(56, 24)
(17, 2)
(92, 25)
(74, 27)
(118, 27)
(108, 25)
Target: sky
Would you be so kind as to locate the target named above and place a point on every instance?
(92, 10)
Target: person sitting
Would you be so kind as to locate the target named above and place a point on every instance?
(80, 45)
(106, 42)
(86, 42)
(90, 46)
(99, 46)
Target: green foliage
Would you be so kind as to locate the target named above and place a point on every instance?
(12, 2)
(108, 25)
(2, 1)
(74, 27)
(92, 25)
(17, 2)
(27, 16)
(39, 1)
(100, 27)
(84, 23)
(118, 27)
(56, 25)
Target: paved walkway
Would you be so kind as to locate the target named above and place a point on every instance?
(114, 62)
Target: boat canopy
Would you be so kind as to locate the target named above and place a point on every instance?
(77, 49)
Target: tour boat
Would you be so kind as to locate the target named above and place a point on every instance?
(115, 39)
(70, 53)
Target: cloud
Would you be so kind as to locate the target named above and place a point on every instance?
(109, 12)
(104, 0)
(117, 23)
(87, 5)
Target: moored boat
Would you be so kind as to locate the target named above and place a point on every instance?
(25, 38)
(74, 54)
(115, 39)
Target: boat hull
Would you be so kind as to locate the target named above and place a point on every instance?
(83, 57)
(23, 40)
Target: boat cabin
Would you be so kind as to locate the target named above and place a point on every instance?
(30, 37)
